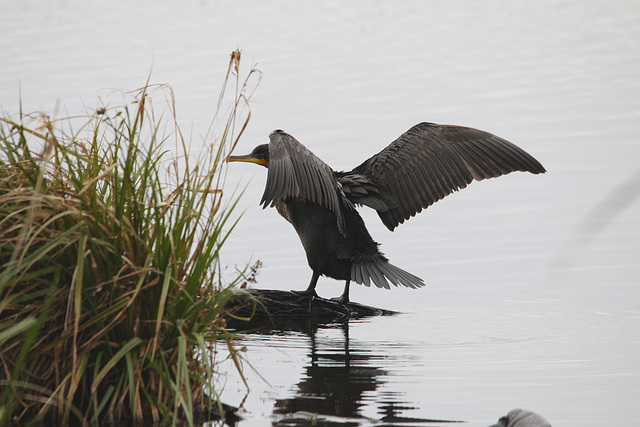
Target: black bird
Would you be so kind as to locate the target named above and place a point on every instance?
(425, 164)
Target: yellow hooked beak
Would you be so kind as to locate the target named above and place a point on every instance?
(248, 158)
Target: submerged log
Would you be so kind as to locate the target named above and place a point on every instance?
(283, 306)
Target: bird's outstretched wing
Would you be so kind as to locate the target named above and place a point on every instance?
(430, 161)
(294, 171)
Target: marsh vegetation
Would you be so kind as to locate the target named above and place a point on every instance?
(112, 304)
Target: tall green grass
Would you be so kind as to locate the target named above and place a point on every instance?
(110, 289)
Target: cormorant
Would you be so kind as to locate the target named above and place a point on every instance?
(425, 164)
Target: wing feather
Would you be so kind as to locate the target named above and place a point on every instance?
(430, 161)
(294, 171)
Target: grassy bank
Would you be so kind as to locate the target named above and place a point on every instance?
(110, 295)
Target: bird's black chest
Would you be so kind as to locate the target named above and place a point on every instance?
(329, 252)
(326, 248)
(316, 225)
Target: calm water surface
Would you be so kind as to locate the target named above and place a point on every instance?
(533, 282)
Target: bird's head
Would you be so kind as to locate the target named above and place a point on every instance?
(259, 156)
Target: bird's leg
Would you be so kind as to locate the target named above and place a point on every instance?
(311, 289)
(344, 298)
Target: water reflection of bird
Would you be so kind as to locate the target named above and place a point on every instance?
(341, 377)
(425, 164)
(337, 377)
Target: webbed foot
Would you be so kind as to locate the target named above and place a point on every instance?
(342, 300)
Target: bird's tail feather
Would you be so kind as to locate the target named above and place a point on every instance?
(382, 273)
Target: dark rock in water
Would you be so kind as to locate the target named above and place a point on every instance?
(284, 308)
(522, 418)
(216, 411)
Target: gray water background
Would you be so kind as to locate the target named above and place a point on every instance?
(533, 282)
